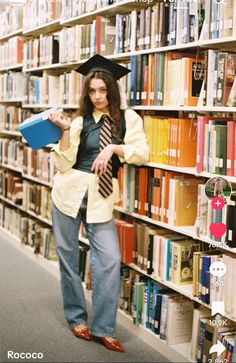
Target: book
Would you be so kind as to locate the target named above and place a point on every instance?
(39, 131)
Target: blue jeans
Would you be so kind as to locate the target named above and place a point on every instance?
(105, 265)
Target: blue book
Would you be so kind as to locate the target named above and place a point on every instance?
(206, 262)
(39, 131)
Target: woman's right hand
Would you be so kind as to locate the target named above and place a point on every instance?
(59, 119)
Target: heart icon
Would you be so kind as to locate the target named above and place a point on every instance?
(218, 229)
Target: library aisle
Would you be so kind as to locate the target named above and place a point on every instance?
(32, 319)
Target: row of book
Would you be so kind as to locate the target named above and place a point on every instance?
(40, 51)
(39, 12)
(153, 80)
(210, 141)
(169, 256)
(208, 287)
(31, 197)
(37, 199)
(165, 23)
(33, 163)
(13, 86)
(29, 231)
(12, 52)
(11, 19)
(158, 251)
(48, 89)
(208, 331)
(174, 318)
(159, 194)
(159, 309)
(169, 138)
(11, 152)
(12, 116)
(220, 83)
(73, 8)
(11, 186)
(39, 164)
(97, 37)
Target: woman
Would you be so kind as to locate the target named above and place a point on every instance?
(80, 193)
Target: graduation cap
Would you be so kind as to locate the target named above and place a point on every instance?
(102, 64)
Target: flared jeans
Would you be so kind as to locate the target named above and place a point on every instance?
(105, 266)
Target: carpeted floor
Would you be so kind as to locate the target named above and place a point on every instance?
(32, 319)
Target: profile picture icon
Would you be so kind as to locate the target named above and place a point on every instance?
(218, 187)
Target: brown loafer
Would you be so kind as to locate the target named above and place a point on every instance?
(113, 345)
(82, 333)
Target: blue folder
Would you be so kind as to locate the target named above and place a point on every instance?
(39, 131)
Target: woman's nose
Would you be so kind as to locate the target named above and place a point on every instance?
(97, 94)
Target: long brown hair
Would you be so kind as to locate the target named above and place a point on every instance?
(113, 96)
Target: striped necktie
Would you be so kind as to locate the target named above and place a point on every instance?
(105, 179)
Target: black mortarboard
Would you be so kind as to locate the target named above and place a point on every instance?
(100, 63)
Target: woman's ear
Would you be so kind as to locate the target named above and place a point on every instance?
(123, 99)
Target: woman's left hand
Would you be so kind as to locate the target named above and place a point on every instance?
(100, 163)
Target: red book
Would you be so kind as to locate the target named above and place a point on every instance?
(127, 245)
(98, 34)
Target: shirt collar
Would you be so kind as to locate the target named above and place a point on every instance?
(97, 115)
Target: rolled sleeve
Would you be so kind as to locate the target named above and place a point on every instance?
(135, 148)
(64, 160)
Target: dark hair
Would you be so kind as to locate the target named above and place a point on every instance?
(113, 96)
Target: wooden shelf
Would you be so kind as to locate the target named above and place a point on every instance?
(43, 28)
(12, 100)
(10, 35)
(189, 170)
(44, 105)
(185, 230)
(36, 180)
(10, 133)
(124, 6)
(11, 67)
(11, 167)
(32, 214)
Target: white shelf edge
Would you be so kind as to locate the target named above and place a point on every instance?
(13, 100)
(30, 213)
(186, 230)
(40, 27)
(10, 133)
(95, 12)
(10, 35)
(13, 66)
(44, 105)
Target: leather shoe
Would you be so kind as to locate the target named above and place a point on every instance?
(82, 333)
(113, 344)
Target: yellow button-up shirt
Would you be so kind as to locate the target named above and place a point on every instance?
(70, 185)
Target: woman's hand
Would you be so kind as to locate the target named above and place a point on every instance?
(59, 119)
(100, 163)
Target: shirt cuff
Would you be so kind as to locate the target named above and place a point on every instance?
(68, 154)
(132, 156)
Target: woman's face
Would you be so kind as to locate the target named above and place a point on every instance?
(98, 94)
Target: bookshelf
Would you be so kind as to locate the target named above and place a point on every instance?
(179, 352)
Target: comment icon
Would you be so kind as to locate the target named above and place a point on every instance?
(218, 269)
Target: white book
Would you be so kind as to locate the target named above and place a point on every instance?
(197, 315)
(179, 321)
